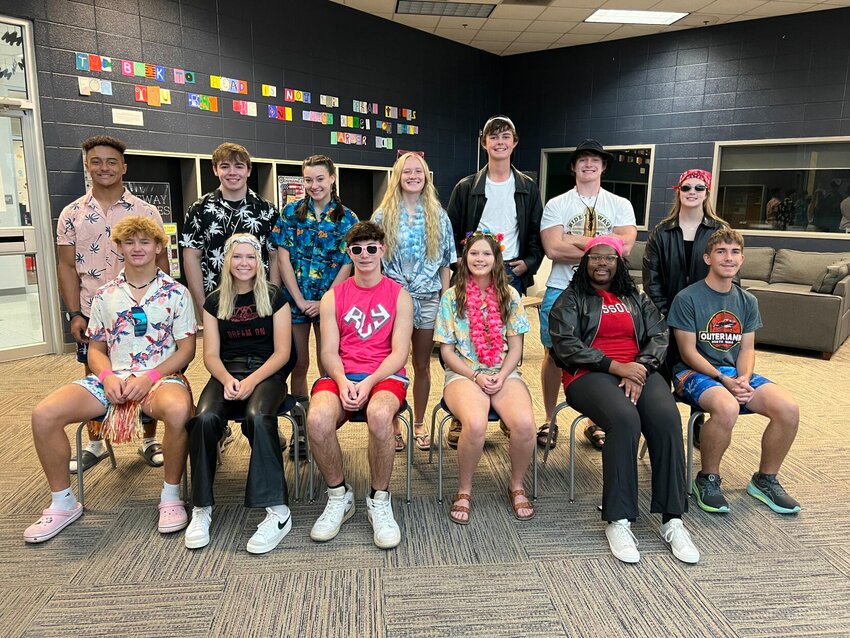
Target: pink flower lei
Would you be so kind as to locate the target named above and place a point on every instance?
(486, 334)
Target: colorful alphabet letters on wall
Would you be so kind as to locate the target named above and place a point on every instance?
(296, 95)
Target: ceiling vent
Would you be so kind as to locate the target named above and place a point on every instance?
(450, 9)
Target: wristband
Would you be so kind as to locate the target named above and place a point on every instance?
(719, 377)
(475, 375)
(105, 374)
(153, 375)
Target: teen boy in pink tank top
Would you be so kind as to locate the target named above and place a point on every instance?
(366, 324)
(366, 317)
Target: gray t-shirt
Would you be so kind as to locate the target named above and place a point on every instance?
(719, 320)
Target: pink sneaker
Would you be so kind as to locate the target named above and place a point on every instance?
(52, 522)
(172, 517)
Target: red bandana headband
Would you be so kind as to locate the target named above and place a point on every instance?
(695, 173)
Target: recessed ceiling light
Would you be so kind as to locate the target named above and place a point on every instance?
(622, 16)
(451, 9)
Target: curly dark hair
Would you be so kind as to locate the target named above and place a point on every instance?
(621, 283)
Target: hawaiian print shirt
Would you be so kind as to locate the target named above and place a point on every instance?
(317, 248)
(211, 221)
(409, 264)
(169, 313)
(449, 328)
(84, 225)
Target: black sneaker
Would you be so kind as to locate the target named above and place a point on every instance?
(706, 489)
(766, 488)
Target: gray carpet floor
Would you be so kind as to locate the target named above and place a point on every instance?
(761, 574)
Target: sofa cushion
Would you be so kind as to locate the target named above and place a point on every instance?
(746, 284)
(797, 267)
(635, 258)
(833, 273)
(757, 263)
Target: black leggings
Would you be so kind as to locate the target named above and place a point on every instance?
(266, 484)
(597, 396)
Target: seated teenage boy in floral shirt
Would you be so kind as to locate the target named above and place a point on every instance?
(142, 334)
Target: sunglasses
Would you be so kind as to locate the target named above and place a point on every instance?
(371, 249)
(140, 321)
(686, 188)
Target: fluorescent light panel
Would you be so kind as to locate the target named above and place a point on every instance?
(623, 16)
(451, 9)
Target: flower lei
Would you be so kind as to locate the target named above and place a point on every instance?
(486, 336)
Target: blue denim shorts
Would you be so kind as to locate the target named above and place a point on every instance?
(549, 299)
(93, 385)
(691, 385)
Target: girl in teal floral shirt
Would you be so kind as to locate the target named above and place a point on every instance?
(311, 255)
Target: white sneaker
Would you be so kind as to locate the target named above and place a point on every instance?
(677, 537)
(339, 509)
(198, 532)
(379, 511)
(622, 542)
(269, 533)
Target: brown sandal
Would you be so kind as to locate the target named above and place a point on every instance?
(460, 508)
(596, 436)
(521, 505)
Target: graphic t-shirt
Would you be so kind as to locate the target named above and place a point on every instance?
(615, 336)
(245, 334)
(366, 317)
(590, 217)
(719, 320)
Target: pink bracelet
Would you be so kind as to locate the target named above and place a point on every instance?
(153, 375)
(104, 374)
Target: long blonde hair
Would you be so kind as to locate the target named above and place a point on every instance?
(391, 207)
(707, 210)
(263, 291)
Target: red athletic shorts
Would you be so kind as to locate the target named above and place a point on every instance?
(393, 384)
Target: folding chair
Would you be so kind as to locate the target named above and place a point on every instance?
(405, 414)
(491, 417)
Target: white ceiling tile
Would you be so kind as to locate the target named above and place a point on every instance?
(544, 26)
(700, 20)
(782, 8)
(450, 22)
(458, 35)
(565, 15)
(372, 6)
(731, 7)
(493, 35)
(508, 25)
(688, 6)
(522, 47)
(586, 4)
(594, 28)
(631, 5)
(540, 38)
(571, 39)
(516, 12)
(420, 22)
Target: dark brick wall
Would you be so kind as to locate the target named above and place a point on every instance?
(777, 78)
(317, 46)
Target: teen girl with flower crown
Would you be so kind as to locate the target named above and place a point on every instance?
(480, 327)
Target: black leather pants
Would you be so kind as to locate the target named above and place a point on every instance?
(266, 484)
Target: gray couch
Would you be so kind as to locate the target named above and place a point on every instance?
(804, 297)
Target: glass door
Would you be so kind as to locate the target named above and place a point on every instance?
(22, 324)
(29, 305)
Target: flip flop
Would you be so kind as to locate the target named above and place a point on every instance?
(423, 441)
(596, 435)
(399, 443)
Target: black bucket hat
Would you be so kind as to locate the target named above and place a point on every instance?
(590, 146)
